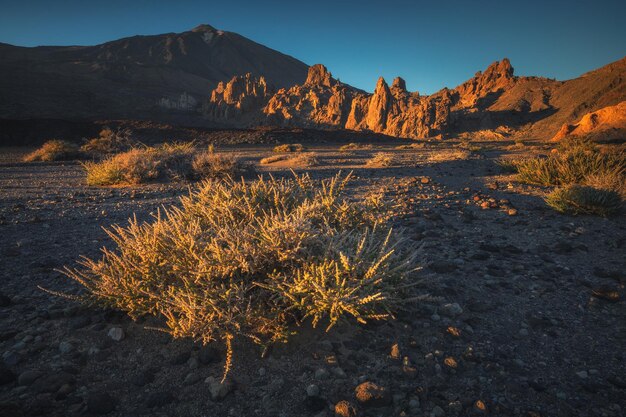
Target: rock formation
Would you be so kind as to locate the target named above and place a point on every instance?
(604, 125)
(323, 102)
(241, 96)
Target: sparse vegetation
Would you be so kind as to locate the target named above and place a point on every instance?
(249, 259)
(109, 141)
(211, 164)
(579, 199)
(304, 159)
(289, 147)
(449, 155)
(54, 150)
(382, 159)
(145, 164)
(415, 145)
(572, 164)
(356, 147)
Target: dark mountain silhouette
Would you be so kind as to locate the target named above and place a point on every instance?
(135, 77)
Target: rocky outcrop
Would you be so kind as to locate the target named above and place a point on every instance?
(492, 101)
(497, 77)
(604, 125)
(239, 97)
(323, 102)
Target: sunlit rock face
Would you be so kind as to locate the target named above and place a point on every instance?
(242, 95)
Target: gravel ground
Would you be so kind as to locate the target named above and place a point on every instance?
(517, 330)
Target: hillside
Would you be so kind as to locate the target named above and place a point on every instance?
(135, 77)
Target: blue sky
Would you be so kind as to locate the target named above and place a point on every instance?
(431, 44)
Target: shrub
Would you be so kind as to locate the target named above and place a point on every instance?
(139, 165)
(382, 159)
(449, 155)
(571, 166)
(54, 150)
(109, 141)
(355, 147)
(293, 147)
(250, 259)
(305, 159)
(417, 145)
(577, 199)
(507, 165)
(211, 164)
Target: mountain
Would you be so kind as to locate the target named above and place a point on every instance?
(493, 102)
(136, 77)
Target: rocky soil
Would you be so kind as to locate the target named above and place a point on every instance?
(530, 321)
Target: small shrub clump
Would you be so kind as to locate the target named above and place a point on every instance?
(355, 147)
(289, 147)
(251, 259)
(382, 159)
(54, 150)
(571, 164)
(304, 159)
(109, 141)
(578, 199)
(145, 164)
(211, 164)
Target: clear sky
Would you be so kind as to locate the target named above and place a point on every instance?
(431, 44)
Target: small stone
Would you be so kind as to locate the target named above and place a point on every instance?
(313, 390)
(582, 374)
(523, 332)
(345, 409)
(512, 212)
(218, 390)
(65, 347)
(395, 352)
(6, 375)
(451, 309)
(435, 317)
(28, 377)
(455, 407)
(100, 403)
(371, 394)
(116, 333)
(437, 412)
(191, 378)
(321, 374)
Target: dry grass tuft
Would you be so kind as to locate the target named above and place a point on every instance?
(109, 141)
(304, 159)
(289, 147)
(449, 155)
(577, 199)
(54, 150)
(211, 164)
(416, 145)
(382, 159)
(356, 147)
(250, 259)
(170, 162)
(573, 165)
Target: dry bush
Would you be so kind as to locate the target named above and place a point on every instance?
(449, 155)
(304, 159)
(417, 145)
(356, 147)
(578, 199)
(572, 166)
(211, 164)
(54, 150)
(382, 159)
(250, 259)
(145, 164)
(613, 181)
(289, 147)
(109, 141)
